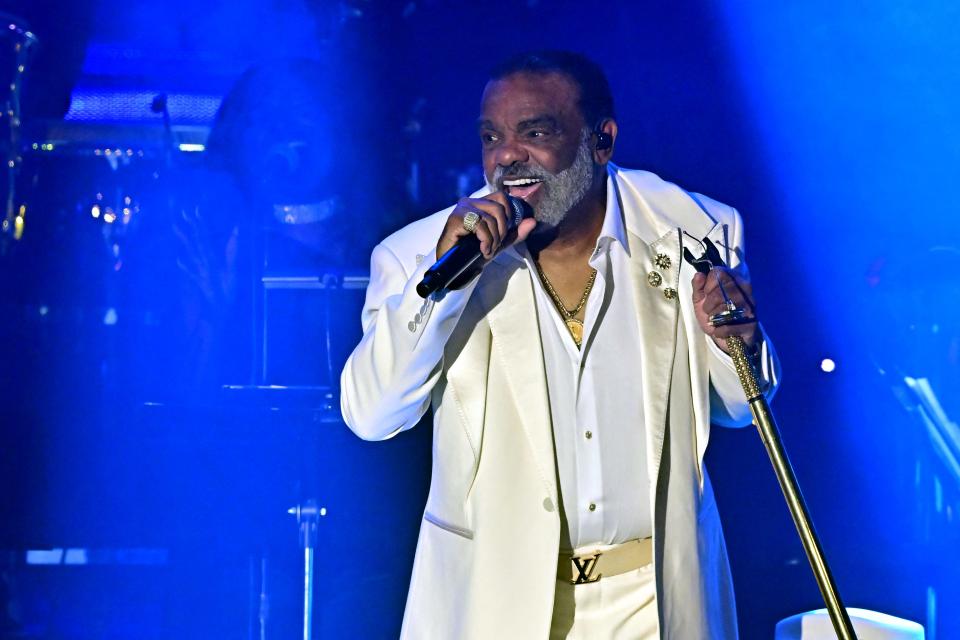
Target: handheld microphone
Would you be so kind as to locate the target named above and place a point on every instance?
(465, 254)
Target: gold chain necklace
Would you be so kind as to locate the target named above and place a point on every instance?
(574, 325)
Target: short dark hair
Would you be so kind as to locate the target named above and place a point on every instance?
(596, 101)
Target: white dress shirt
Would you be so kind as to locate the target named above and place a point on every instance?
(595, 400)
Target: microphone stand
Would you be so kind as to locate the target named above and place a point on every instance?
(308, 517)
(770, 435)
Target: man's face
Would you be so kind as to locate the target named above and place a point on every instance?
(536, 145)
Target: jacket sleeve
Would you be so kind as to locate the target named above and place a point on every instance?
(728, 405)
(386, 383)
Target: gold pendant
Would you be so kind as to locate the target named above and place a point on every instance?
(576, 330)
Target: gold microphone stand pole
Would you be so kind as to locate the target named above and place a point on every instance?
(770, 434)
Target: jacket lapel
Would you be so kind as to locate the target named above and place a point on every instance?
(655, 288)
(660, 219)
(506, 291)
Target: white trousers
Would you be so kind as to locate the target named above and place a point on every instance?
(621, 607)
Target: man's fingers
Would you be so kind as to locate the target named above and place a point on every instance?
(490, 207)
(525, 228)
(496, 206)
(721, 284)
(698, 282)
(730, 282)
(487, 228)
(488, 235)
(709, 299)
(492, 228)
(715, 302)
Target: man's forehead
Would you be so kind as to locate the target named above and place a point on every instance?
(524, 95)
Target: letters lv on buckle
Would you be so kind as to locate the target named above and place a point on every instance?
(585, 567)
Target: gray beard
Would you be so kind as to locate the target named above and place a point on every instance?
(560, 192)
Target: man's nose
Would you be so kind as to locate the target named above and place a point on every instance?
(510, 153)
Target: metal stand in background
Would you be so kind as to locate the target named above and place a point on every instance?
(12, 220)
(259, 603)
(308, 517)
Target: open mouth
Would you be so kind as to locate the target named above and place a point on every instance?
(521, 187)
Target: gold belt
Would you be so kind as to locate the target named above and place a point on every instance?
(590, 566)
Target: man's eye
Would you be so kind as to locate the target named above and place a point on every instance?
(488, 138)
(537, 133)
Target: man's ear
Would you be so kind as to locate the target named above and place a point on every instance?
(605, 136)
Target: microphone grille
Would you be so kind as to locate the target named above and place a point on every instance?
(519, 210)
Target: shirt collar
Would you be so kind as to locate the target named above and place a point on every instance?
(613, 229)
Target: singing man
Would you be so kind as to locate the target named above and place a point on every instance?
(573, 382)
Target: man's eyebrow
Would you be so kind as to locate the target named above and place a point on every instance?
(539, 121)
(529, 123)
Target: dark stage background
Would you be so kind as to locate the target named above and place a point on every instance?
(167, 273)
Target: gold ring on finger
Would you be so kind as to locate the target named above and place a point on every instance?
(470, 221)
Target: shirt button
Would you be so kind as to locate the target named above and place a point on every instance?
(592, 507)
(588, 435)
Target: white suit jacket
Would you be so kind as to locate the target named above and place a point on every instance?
(486, 557)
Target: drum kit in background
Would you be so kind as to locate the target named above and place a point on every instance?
(213, 328)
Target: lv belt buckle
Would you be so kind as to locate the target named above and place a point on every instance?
(585, 567)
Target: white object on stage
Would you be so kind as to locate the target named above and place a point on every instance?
(869, 625)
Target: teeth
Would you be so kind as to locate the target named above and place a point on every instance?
(519, 182)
